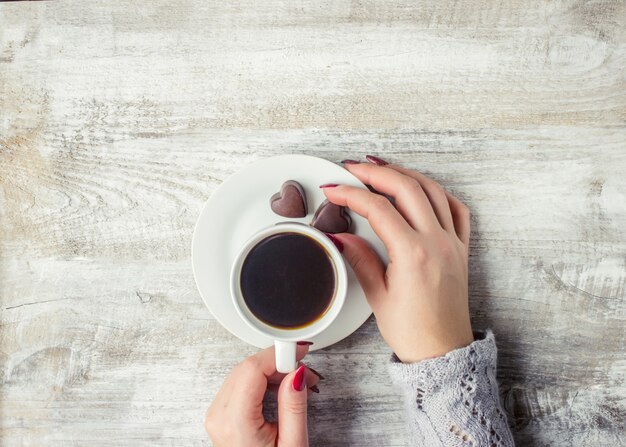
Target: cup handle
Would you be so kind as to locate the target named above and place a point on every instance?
(285, 356)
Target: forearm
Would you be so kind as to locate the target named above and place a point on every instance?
(453, 400)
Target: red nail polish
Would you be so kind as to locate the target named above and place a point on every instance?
(348, 161)
(299, 381)
(335, 241)
(329, 185)
(375, 160)
(304, 343)
(316, 373)
(314, 388)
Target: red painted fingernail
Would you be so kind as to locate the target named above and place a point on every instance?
(335, 241)
(314, 388)
(329, 185)
(305, 343)
(298, 383)
(375, 160)
(347, 161)
(316, 373)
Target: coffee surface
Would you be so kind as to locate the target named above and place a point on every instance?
(288, 280)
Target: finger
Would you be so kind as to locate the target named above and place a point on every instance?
(459, 211)
(435, 193)
(301, 351)
(461, 218)
(292, 409)
(252, 378)
(311, 381)
(367, 265)
(273, 389)
(410, 198)
(278, 377)
(267, 358)
(385, 220)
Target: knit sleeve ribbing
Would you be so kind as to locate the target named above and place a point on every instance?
(453, 400)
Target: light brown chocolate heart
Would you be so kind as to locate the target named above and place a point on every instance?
(290, 201)
(331, 218)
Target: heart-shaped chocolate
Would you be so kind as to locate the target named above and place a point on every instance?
(331, 218)
(290, 201)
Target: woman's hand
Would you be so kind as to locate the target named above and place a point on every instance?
(235, 418)
(420, 298)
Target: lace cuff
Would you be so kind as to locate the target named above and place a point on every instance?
(453, 400)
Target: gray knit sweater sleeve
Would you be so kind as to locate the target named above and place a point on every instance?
(453, 400)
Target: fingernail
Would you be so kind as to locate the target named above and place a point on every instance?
(329, 185)
(348, 161)
(316, 373)
(335, 241)
(298, 383)
(304, 343)
(314, 388)
(375, 160)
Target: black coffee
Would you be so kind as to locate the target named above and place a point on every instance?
(288, 280)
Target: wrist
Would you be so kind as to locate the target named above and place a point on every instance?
(434, 346)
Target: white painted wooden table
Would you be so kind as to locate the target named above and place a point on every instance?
(119, 119)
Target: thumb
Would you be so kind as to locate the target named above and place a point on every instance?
(292, 410)
(367, 265)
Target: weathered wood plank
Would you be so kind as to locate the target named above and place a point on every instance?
(118, 121)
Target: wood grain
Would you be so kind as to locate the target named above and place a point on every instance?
(117, 122)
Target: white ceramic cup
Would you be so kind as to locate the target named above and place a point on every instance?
(285, 339)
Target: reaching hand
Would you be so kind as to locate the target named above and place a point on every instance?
(420, 299)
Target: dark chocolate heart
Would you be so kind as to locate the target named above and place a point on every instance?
(290, 201)
(331, 218)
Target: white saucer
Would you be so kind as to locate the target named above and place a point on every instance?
(239, 208)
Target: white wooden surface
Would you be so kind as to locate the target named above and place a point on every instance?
(118, 120)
